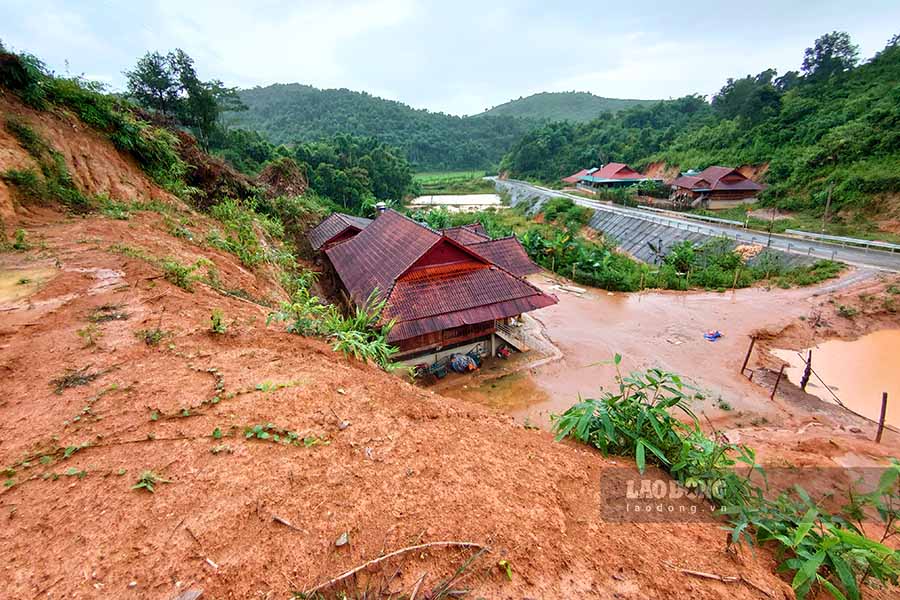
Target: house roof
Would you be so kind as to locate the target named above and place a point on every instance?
(431, 297)
(334, 225)
(576, 177)
(467, 234)
(446, 296)
(508, 253)
(382, 251)
(717, 179)
(612, 171)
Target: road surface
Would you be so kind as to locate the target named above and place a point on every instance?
(860, 257)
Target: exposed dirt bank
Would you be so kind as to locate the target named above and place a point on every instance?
(411, 467)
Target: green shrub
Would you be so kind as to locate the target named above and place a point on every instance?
(181, 275)
(820, 549)
(217, 322)
(238, 236)
(636, 420)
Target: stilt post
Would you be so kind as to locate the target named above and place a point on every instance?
(749, 351)
(881, 418)
(777, 381)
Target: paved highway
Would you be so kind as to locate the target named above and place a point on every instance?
(860, 257)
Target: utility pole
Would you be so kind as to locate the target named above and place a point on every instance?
(827, 206)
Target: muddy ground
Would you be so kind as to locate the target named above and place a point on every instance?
(91, 402)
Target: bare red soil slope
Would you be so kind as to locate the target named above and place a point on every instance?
(83, 415)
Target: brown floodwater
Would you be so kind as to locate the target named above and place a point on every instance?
(651, 329)
(855, 371)
(16, 284)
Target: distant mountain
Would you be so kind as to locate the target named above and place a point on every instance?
(563, 106)
(287, 113)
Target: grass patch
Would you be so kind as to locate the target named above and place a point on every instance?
(108, 312)
(148, 481)
(74, 378)
(151, 337)
(54, 181)
(453, 182)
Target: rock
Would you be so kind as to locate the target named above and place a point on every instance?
(132, 584)
(189, 594)
(341, 391)
(343, 425)
(342, 540)
(855, 430)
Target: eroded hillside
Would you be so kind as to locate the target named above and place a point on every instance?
(115, 381)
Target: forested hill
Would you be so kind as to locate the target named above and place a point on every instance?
(563, 106)
(289, 113)
(835, 124)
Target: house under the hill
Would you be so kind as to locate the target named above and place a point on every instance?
(609, 175)
(446, 291)
(715, 188)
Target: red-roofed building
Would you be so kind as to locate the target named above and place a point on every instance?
(609, 175)
(440, 292)
(336, 228)
(715, 188)
(576, 177)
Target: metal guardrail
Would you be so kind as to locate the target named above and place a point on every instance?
(682, 215)
(845, 241)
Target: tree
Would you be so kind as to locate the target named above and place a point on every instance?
(153, 84)
(170, 85)
(750, 98)
(831, 54)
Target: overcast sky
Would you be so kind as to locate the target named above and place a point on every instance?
(453, 56)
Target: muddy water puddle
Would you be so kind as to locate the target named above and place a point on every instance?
(16, 284)
(855, 371)
(662, 330)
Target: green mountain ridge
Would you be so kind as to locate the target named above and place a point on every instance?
(563, 106)
(290, 113)
(293, 112)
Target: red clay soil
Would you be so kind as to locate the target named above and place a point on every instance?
(411, 467)
(88, 407)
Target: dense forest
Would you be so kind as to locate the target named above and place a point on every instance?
(293, 113)
(835, 124)
(563, 106)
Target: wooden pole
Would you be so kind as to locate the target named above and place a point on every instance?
(777, 381)
(881, 418)
(807, 372)
(749, 351)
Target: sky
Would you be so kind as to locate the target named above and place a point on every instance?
(458, 57)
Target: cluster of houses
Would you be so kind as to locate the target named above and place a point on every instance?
(449, 291)
(712, 188)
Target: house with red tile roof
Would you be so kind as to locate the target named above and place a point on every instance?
(336, 228)
(715, 188)
(443, 289)
(609, 175)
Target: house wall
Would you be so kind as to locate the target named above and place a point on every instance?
(439, 340)
(342, 236)
(484, 347)
(443, 253)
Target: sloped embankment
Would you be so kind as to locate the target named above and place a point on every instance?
(110, 370)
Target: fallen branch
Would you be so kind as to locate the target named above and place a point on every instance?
(287, 523)
(375, 561)
(723, 578)
(415, 590)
